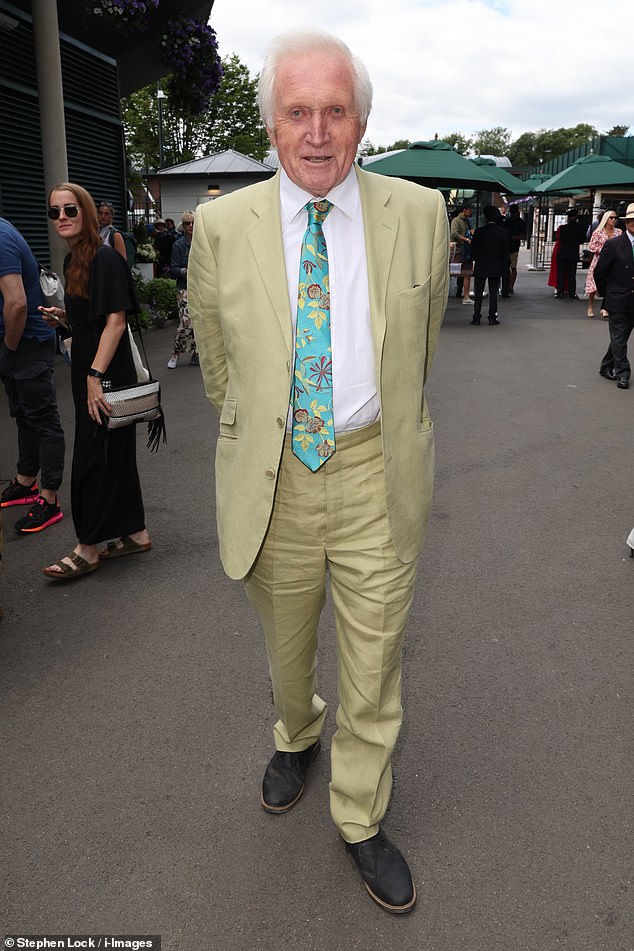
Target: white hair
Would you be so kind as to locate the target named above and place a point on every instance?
(310, 41)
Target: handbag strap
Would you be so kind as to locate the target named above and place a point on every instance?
(140, 333)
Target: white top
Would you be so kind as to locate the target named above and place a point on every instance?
(355, 396)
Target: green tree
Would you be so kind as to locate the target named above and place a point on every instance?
(619, 130)
(458, 142)
(496, 141)
(523, 151)
(535, 147)
(368, 148)
(232, 121)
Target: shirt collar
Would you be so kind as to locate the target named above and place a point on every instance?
(344, 196)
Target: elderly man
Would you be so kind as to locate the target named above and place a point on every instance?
(317, 298)
(614, 277)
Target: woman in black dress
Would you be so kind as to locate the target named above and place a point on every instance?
(106, 495)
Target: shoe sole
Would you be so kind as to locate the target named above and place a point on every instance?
(126, 549)
(63, 578)
(29, 500)
(278, 810)
(40, 528)
(392, 909)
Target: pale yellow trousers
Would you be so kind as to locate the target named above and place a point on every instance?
(335, 521)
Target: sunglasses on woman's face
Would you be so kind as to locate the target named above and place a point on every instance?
(71, 211)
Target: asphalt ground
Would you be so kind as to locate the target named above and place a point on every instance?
(136, 711)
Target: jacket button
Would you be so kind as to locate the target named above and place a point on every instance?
(280, 422)
(270, 473)
(288, 365)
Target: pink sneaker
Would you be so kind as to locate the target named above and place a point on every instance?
(39, 516)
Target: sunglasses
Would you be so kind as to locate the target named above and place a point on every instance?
(71, 211)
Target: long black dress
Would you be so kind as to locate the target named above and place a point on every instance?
(105, 491)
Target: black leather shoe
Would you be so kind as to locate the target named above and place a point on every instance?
(284, 778)
(385, 873)
(608, 374)
(493, 321)
(476, 321)
(623, 383)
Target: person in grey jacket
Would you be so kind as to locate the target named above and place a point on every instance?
(184, 339)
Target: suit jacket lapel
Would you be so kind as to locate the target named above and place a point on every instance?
(380, 226)
(265, 238)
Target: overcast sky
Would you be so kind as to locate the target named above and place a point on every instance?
(440, 66)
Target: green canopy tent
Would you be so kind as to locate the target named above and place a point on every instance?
(533, 181)
(513, 185)
(437, 165)
(590, 172)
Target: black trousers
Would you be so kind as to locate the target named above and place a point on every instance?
(566, 269)
(27, 374)
(615, 358)
(478, 291)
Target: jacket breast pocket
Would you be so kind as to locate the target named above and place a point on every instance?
(228, 420)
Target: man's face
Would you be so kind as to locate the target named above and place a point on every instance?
(316, 127)
(466, 213)
(105, 215)
(630, 225)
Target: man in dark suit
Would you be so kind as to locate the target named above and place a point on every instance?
(614, 277)
(571, 236)
(490, 250)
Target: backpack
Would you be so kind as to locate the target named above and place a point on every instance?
(130, 247)
(128, 239)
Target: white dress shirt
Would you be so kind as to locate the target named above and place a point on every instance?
(355, 395)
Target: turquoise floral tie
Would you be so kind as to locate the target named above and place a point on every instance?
(313, 424)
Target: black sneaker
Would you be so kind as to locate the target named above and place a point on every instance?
(18, 494)
(39, 516)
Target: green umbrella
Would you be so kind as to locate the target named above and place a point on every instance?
(512, 184)
(437, 165)
(591, 172)
(533, 181)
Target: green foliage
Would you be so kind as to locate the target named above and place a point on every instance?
(160, 296)
(232, 121)
(368, 148)
(233, 118)
(618, 130)
(459, 142)
(496, 141)
(531, 148)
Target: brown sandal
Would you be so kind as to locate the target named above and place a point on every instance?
(127, 547)
(67, 572)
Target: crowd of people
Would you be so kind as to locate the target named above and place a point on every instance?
(488, 254)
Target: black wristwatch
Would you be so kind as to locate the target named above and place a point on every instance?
(97, 373)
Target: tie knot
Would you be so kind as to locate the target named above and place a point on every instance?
(318, 212)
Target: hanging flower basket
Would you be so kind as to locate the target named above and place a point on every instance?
(128, 12)
(190, 51)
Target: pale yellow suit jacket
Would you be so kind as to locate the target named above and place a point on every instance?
(238, 301)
